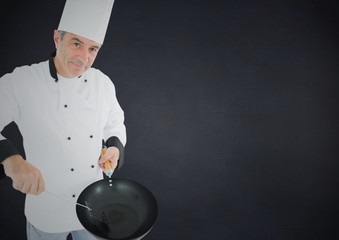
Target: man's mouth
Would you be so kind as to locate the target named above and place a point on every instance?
(77, 63)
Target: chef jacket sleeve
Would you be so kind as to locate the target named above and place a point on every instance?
(9, 112)
(6, 150)
(115, 130)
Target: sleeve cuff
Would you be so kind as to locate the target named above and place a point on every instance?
(6, 150)
(115, 142)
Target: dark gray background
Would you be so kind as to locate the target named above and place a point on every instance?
(231, 111)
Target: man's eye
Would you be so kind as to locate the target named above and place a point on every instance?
(76, 44)
(94, 50)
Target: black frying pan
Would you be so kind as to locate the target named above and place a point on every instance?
(121, 209)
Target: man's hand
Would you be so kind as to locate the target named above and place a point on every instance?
(26, 178)
(110, 154)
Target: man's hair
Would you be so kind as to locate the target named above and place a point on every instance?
(61, 34)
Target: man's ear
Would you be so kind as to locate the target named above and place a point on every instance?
(56, 38)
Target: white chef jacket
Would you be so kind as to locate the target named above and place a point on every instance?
(63, 122)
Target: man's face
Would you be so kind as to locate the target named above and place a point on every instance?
(74, 54)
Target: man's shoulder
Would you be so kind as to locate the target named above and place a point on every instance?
(98, 75)
(96, 72)
(31, 68)
(26, 70)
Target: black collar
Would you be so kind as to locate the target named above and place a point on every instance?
(52, 68)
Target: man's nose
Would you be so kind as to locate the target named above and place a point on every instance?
(84, 55)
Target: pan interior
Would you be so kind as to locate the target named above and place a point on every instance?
(122, 220)
(120, 209)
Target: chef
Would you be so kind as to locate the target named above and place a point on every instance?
(65, 110)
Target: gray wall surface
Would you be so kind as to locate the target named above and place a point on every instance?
(231, 111)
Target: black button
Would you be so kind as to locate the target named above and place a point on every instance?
(72, 169)
(92, 166)
(91, 136)
(65, 106)
(73, 195)
(85, 80)
(69, 138)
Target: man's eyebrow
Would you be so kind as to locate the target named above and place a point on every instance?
(78, 40)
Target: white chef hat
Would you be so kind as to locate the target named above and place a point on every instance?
(87, 18)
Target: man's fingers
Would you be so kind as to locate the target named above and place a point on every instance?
(25, 188)
(31, 184)
(41, 186)
(17, 186)
(37, 185)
